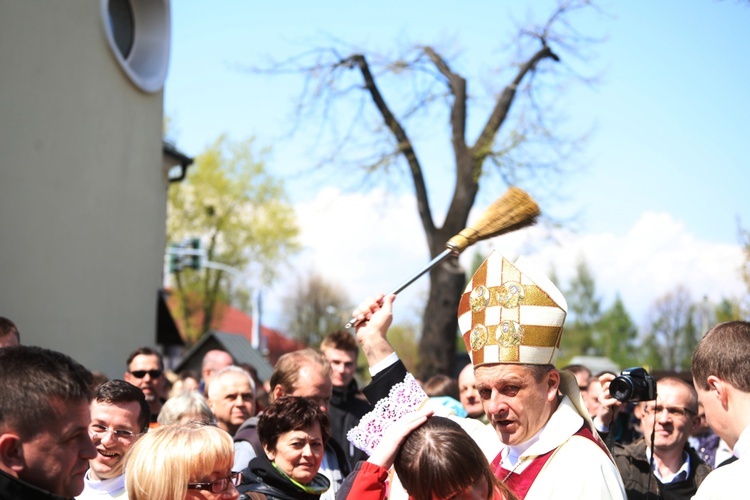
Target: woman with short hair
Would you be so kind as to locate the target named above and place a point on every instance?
(293, 432)
(180, 462)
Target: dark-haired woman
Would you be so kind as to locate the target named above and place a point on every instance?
(293, 432)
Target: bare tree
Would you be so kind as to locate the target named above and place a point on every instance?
(526, 147)
(315, 308)
(672, 336)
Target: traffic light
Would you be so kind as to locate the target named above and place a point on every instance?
(194, 260)
(175, 259)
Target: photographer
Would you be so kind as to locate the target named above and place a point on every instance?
(674, 471)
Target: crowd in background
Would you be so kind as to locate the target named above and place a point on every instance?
(500, 430)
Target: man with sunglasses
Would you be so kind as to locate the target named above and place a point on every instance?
(146, 372)
(119, 416)
(677, 469)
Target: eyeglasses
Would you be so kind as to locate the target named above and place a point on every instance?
(142, 373)
(219, 485)
(673, 411)
(120, 434)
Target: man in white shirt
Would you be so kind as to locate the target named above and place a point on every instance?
(120, 415)
(721, 374)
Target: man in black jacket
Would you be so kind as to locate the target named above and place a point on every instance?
(348, 405)
(45, 446)
(677, 469)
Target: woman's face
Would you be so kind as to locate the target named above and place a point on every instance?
(229, 493)
(299, 453)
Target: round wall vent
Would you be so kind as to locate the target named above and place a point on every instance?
(138, 34)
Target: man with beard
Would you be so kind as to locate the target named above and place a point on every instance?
(44, 418)
(119, 416)
(677, 469)
(146, 372)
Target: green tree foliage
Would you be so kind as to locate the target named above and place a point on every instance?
(241, 215)
(315, 309)
(584, 312)
(616, 335)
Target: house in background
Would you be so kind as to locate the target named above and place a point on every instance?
(233, 331)
(84, 174)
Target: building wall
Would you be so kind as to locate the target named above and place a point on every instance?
(82, 194)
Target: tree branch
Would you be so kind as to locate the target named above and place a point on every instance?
(483, 145)
(404, 144)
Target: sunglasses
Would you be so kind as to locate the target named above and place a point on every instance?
(142, 373)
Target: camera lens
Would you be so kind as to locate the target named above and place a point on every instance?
(621, 388)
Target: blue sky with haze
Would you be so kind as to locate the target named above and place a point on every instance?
(665, 170)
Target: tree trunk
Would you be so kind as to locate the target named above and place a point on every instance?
(437, 347)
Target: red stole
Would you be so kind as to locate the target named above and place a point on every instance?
(519, 483)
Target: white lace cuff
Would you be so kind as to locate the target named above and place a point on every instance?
(404, 397)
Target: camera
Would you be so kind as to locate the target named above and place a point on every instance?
(633, 384)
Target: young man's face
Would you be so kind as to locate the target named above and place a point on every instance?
(114, 429)
(57, 457)
(343, 366)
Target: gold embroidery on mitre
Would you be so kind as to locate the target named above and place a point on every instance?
(478, 338)
(508, 355)
(510, 294)
(509, 334)
(479, 298)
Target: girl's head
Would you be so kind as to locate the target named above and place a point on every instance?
(440, 460)
(167, 459)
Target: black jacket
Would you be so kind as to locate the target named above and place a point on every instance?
(261, 476)
(347, 408)
(635, 471)
(15, 489)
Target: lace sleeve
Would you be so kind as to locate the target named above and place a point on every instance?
(404, 397)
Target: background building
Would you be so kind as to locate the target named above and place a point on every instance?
(83, 177)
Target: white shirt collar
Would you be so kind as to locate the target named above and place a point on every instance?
(742, 447)
(105, 486)
(682, 473)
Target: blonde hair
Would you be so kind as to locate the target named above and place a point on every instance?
(163, 462)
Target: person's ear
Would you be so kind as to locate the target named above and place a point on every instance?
(277, 392)
(271, 454)
(638, 411)
(11, 452)
(719, 388)
(553, 384)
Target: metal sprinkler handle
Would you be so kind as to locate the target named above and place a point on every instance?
(441, 257)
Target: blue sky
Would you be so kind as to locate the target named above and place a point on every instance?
(664, 173)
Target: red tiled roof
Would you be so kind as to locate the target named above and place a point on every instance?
(229, 319)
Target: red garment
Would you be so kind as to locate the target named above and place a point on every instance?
(370, 482)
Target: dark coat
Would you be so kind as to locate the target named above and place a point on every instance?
(15, 489)
(347, 408)
(261, 476)
(635, 471)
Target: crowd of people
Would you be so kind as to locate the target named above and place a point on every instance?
(509, 426)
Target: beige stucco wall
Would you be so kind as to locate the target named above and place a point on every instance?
(82, 195)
